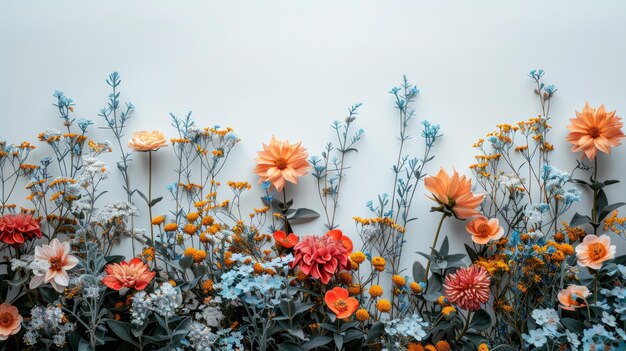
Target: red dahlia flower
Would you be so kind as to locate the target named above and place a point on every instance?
(468, 287)
(15, 229)
(320, 257)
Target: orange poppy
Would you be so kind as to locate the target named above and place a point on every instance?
(340, 303)
(281, 161)
(284, 240)
(338, 235)
(454, 194)
(483, 230)
(594, 130)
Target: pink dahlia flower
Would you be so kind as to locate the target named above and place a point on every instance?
(468, 287)
(15, 229)
(321, 257)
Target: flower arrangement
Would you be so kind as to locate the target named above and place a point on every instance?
(209, 274)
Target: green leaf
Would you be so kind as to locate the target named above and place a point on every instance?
(376, 331)
(185, 262)
(303, 214)
(471, 253)
(419, 272)
(609, 182)
(317, 341)
(122, 330)
(573, 325)
(579, 220)
(481, 320)
(338, 341)
(445, 246)
(155, 201)
(142, 195)
(606, 210)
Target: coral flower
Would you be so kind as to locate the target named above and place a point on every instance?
(340, 303)
(10, 321)
(147, 141)
(280, 161)
(454, 193)
(594, 130)
(134, 275)
(320, 257)
(345, 240)
(58, 261)
(468, 287)
(17, 228)
(569, 298)
(483, 230)
(594, 250)
(284, 240)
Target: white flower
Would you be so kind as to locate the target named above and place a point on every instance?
(608, 319)
(57, 256)
(548, 318)
(572, 338)
(535, 337)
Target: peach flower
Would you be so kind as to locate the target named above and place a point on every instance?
(10, 321)
(594, 250)
(483, 230)
(57, 256)
(340, 303)
(280, 162)
(454, 193)
(569, 298)
(594, 130)
(134, 275)
(147, 141)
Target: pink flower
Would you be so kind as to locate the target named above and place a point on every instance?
(10, 321)
(57, 257)
(320, 257)
(570, 297)
(18, 228)
(134, 275)
(468, 287)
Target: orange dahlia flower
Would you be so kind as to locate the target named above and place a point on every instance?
(10, 321)
(483, 230)
(147, 141)
(280, 161)
(570, 297)
(134, 275)
(594, 130)
(454, 193)
(594, 250)
(345, 240)
(284, 240)
(340, 303)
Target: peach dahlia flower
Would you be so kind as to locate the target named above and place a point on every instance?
(10, 321)
(570, 297)
(594, 130)
(281, 161)
(594, 250)
(58, 258)
(133, 275)
(468, 287)
(483, 230)
(147, 141)
(454, 193)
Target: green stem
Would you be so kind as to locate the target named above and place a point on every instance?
(466, 326)
(594, 212)
(150, 205)
(432, 250)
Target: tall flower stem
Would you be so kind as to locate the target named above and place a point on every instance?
(432, 250)
(594, 211)
(150, 204)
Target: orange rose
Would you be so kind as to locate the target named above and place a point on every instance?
(147, 141)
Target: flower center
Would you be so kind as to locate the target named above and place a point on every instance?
(6, 319)
(56, 264)
(280, 163)
(596, 251)
(483, 229)
(594, 132)
(340, 305)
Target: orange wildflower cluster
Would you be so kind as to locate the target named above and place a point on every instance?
(197, 255)
(382, 221)
(615, 224)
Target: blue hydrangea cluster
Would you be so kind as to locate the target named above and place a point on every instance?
(260, 290)
(412, 326)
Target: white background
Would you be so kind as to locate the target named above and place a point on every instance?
(290, 68)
